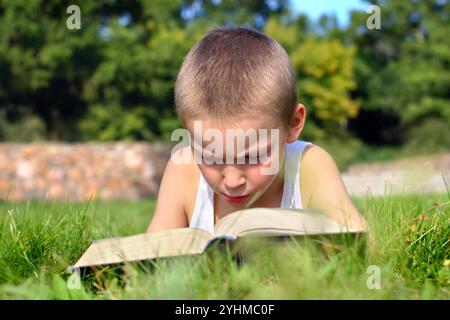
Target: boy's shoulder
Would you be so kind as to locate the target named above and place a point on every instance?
(313, 153)
(182, 159)
(182, 166)
(316, 159)
(183, 163)
(316, 165)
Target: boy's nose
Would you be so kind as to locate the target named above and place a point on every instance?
(233, 178)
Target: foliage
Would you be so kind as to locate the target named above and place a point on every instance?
(43, 65)
(30, 128)
(404, 67)
(324, 69)
(113, 79)
(429, 135)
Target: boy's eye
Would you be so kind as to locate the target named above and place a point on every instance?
(212, 160)
(248, 160)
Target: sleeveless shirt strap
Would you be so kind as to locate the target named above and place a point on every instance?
(203, 215)
(291, 192)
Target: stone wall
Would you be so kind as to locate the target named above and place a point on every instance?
(133, 170)
(116, 170)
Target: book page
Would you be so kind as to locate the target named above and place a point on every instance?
(277, 221)
(144, 246)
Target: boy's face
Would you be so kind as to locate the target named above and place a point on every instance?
(240, 158)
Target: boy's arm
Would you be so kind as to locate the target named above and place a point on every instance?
(169, 212)
(322, 187)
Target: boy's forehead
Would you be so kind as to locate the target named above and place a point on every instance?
(246, 143)
(244, 123)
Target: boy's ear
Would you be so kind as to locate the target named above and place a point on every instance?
(297, 123)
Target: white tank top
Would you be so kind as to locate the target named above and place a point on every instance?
(203, 215)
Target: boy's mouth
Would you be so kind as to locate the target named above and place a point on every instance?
(235, 199)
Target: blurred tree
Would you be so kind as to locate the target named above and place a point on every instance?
(43, 65)
(252, 13)
(130, 92)
(403, 71)
(113, 78)
(324, 69)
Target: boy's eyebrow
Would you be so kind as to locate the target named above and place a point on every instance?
(246, 151)
(267, 147)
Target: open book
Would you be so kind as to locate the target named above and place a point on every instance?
(266, 222)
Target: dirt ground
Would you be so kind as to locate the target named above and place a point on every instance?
(424, 174)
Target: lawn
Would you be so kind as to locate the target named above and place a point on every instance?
(409, 246)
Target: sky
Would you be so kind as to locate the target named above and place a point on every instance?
(341, 8)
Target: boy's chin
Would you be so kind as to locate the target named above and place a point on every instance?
(241, 205)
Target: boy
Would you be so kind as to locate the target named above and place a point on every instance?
(239, 80)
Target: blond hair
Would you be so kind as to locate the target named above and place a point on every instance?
(236, 71)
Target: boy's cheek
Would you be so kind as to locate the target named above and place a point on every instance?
(257, 179)
(271, 164)
(211, 174)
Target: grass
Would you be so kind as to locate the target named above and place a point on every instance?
(409, 245)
